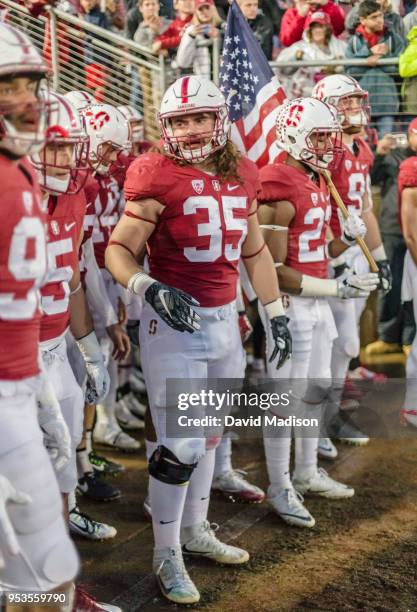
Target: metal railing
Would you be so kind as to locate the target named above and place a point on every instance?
(83, 56)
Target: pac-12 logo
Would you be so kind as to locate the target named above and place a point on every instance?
(294, 115)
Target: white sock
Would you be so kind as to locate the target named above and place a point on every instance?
(223, 456)
(83, 463)
(167, 502)
(72, 502)
(277, 454)
(150, 448)
(305, 457)
(198, 495)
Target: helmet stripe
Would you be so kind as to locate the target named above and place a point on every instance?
(184, 90)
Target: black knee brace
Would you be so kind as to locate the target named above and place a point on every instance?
(164, 466)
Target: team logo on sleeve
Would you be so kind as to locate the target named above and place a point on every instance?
(315, 199)
(198, 185)
(348, 164)
(216, 185)
(28, 201)
(55, 227)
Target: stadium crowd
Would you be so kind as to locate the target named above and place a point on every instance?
(100, 206)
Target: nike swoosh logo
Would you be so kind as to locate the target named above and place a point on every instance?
(68, 226)
(167, 522)
(194, 552)
(232, 187)
(161, 294)
(203, 498)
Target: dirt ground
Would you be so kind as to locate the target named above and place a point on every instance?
(361, 555)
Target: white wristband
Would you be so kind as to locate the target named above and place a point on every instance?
(139, 283)
(337, 261)
(379, 253)
(90, 348)
(313, 287)
(274, 309)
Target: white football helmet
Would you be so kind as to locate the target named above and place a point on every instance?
(57, 171)
(309, 131)
(80, 99)
(105, 125)
(191, 95)
(135, 119)
(345, 93)
(19, 58)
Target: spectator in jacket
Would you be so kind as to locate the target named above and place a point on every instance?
(410, 21)
(170, 38)
(152, 24)
(396, 326)
(96, 68)
(204, 26)
(392, 20)
(372, 41)
(260, 25)
(135, 16)
(294, 19)
(408, 70)
(318, 43)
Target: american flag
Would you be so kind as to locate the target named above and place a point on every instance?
(253, 93)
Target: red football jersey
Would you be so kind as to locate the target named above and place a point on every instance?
(196, 243)
(107, 201)
(22, 269)
(351, 179)
(407, 177)
(65, 222)
(307, 231)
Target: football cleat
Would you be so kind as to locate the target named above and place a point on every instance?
(125, 418)
(349, 405)
(135, 406)
(408, 417)
(105, 466)
(83, 602)
(137, 382)
(288, 504)
(342, 428)
(353, 391)
(200, 541)
(173, 579)
(322, 485)
(81, 524)
(362, 373)
(113, 436)
(234, 485)
(95, 488)
(326, 449)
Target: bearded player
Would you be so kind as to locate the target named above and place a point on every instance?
(195, 207)
(352, 181)
(36, 552)
(295, 215)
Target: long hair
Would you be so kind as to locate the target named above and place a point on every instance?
(215, 20)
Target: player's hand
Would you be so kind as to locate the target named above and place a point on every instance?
(351, 285)
(8, 494)
(121, 341)
(56, 437)
(245, 327)
(174, 306)
(282, 338)
(98, 380)
(385, 276)
(353, 228)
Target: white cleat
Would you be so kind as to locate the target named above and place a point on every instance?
(322, 485)
(408, 417)
(137, 382)
(233, 484)
(81, 524)
(125, 418)
(135, 406)
(288, 504)
(113, 436)
(344, 429)
(200, 541)
(326, 449)
(173, 579)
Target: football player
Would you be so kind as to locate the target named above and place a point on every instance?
(195, 208)
(36, 550)
(295, 216)
(407, 189)
(351, 178)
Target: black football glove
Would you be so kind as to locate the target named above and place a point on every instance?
(385, 276)
(174, 307)
(283, 340)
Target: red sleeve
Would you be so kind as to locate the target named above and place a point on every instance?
(337, 17)
(407, 176)
(276, 186)
(170, 38)
(292, 27)
(147, 177)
